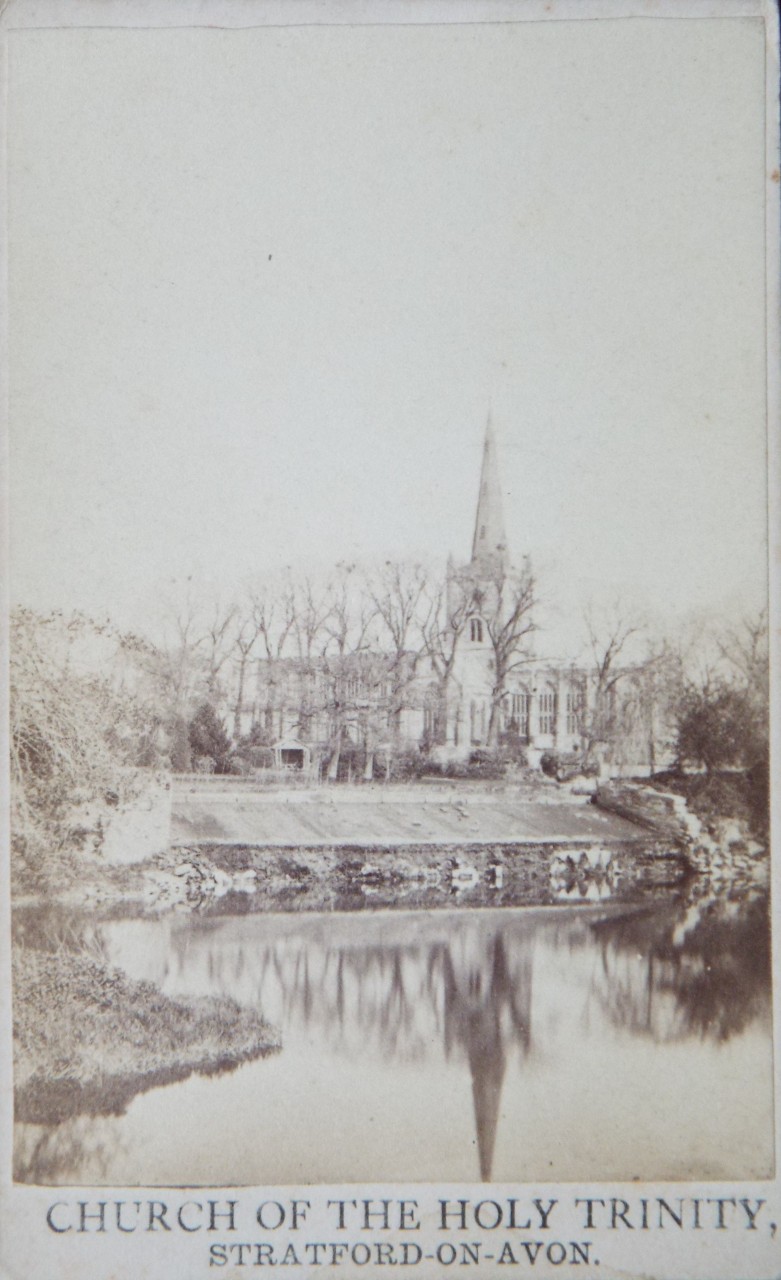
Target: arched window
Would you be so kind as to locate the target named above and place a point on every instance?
(574, 711)
(519, 712)
(476, 630)
(547, 710)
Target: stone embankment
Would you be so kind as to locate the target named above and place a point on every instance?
(423, 876)
(723, 848)
(661, 812)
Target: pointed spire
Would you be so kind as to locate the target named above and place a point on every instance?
(487, 1063)
(489, 546)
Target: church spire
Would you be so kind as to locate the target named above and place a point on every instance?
(489, 547)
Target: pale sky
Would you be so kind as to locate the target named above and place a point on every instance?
(265, 285)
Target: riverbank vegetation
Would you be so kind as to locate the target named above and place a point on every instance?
(78, 735)
(721, 726)
(87, 1037)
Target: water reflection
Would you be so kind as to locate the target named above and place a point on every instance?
(703, 968)
(488, 999)
(513, 1001)
(50, 1154)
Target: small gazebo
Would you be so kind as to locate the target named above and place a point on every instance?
(289, 753)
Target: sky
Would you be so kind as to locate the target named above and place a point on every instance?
(266, 285)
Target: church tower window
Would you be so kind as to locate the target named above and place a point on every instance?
(476, 630)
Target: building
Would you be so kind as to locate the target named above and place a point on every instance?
(475, 685)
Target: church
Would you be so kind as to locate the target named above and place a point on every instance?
(479, 687)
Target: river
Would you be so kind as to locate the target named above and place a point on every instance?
(602, 1040)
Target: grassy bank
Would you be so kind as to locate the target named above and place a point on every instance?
(87, 1038)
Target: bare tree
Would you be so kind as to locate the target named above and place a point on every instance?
(399, 592)
(218, 640)
(745, 650)
(609, 631)
(273, 611)
(198, 642)
(446, 612)
(506, 605)
(183, 670)
(347, 669)
(273, 614)
(248, 633)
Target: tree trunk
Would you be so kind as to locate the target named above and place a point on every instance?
(239, 699)
(494, 722)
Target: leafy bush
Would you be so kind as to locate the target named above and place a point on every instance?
(720, 726)
(208, 740)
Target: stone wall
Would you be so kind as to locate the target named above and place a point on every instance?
(658, 811)
(723, 851)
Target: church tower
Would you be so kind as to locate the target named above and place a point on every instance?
(476, 594)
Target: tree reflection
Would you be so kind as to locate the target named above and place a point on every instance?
(50, 1155)
(701, 967)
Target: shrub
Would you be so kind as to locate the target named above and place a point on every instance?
(409, 764)
(74, 738)
(487, 764)
(513, 748)
(720, 726)
(238, 765)
(208, 739)
(549, 763)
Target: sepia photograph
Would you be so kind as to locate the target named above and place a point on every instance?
(388, 617)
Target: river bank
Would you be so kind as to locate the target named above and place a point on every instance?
(356, 847)
(87, 1037)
